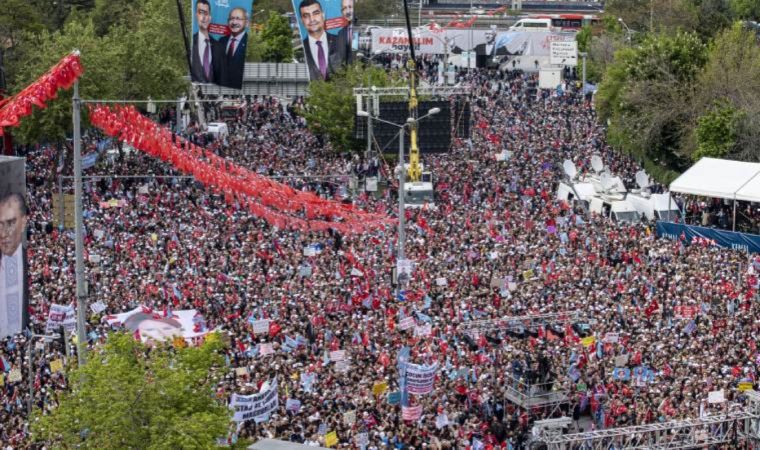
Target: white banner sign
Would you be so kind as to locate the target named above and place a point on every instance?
(256, 406)
(564, 53)
(420, 379)
(260, 326)
(426, 42)
(61, 315)
(406, 323)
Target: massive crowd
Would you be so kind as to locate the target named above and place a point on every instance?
(496, 244)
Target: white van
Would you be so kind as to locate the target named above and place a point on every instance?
(531, 25)
(218, 129)
(654, 206)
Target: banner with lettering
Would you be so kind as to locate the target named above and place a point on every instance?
(420, 379)
(690, 234)
(255, 407)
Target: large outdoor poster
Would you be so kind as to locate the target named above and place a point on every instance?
(13, 274)
(159, 326)
(220, 40)
(327, 34)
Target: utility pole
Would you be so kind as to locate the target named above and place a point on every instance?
(401, 204)
(583, 55)
(81, 289)
(370, 105)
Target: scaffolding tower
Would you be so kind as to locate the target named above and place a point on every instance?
(739, 428)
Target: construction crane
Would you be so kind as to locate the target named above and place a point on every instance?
(415, 171)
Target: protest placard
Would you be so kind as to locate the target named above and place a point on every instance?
(256, 406)
(420, 379)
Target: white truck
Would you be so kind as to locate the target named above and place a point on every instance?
(654, 206)
(614, 207)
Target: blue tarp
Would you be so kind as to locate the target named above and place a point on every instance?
(728, 239)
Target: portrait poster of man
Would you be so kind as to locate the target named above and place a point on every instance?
(327, 34)
(220, 41)
(14, 315)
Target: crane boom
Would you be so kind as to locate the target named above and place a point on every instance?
(415, 172)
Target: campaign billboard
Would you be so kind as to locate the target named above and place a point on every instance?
(220, 40)
(327, 35)
(14, 315)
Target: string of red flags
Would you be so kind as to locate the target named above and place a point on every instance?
(277, 203)
(61, 76)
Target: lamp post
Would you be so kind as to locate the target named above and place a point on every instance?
(32, 336)
(401, 177)
(628, 31)
(583, 55)
(81, 289)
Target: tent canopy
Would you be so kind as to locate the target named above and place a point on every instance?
(720, 178)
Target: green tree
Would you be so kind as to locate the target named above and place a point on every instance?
(127, 63)
(645, 95)
(129, 396)
(108, 13)
(584, 39)
(277, 39)
(100, 80)
(18, 19)
(330, 108)
(731, 77)
(746, 9)
(716, 132)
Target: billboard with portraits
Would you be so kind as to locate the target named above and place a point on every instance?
(219, 41)
(14, 316)
(327, 34)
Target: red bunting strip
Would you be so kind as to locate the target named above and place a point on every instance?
(262, 196)
(273, 194)
(60, 76)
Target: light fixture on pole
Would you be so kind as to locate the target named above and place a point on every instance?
(401, 171)
(81, 289)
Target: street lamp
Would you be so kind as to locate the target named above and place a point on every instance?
(32, 336)
(410, 121)
(583, 55)
(628, 31)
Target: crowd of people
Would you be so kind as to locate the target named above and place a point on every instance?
(681, 319)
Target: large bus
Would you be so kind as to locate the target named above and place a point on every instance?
(570, 22)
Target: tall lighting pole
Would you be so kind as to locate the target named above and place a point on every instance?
(81, 289)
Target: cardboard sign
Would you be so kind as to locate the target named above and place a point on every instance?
(716, 397)
(379, 388)
(14, 376)
(331, 439)
(260, 326)
(56, 365)
(745, 386)
(587, 341)
(406, 323)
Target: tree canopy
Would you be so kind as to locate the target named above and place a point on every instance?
(130, 396)
(330, 108)
(134, 59)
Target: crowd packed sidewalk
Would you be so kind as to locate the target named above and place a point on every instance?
(496, 244)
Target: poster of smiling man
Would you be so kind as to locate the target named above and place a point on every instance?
(327, 34)
(220, 40)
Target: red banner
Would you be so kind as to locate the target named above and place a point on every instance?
(277, 203)
(60, 76)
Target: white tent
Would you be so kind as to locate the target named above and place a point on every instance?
(721, 178)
